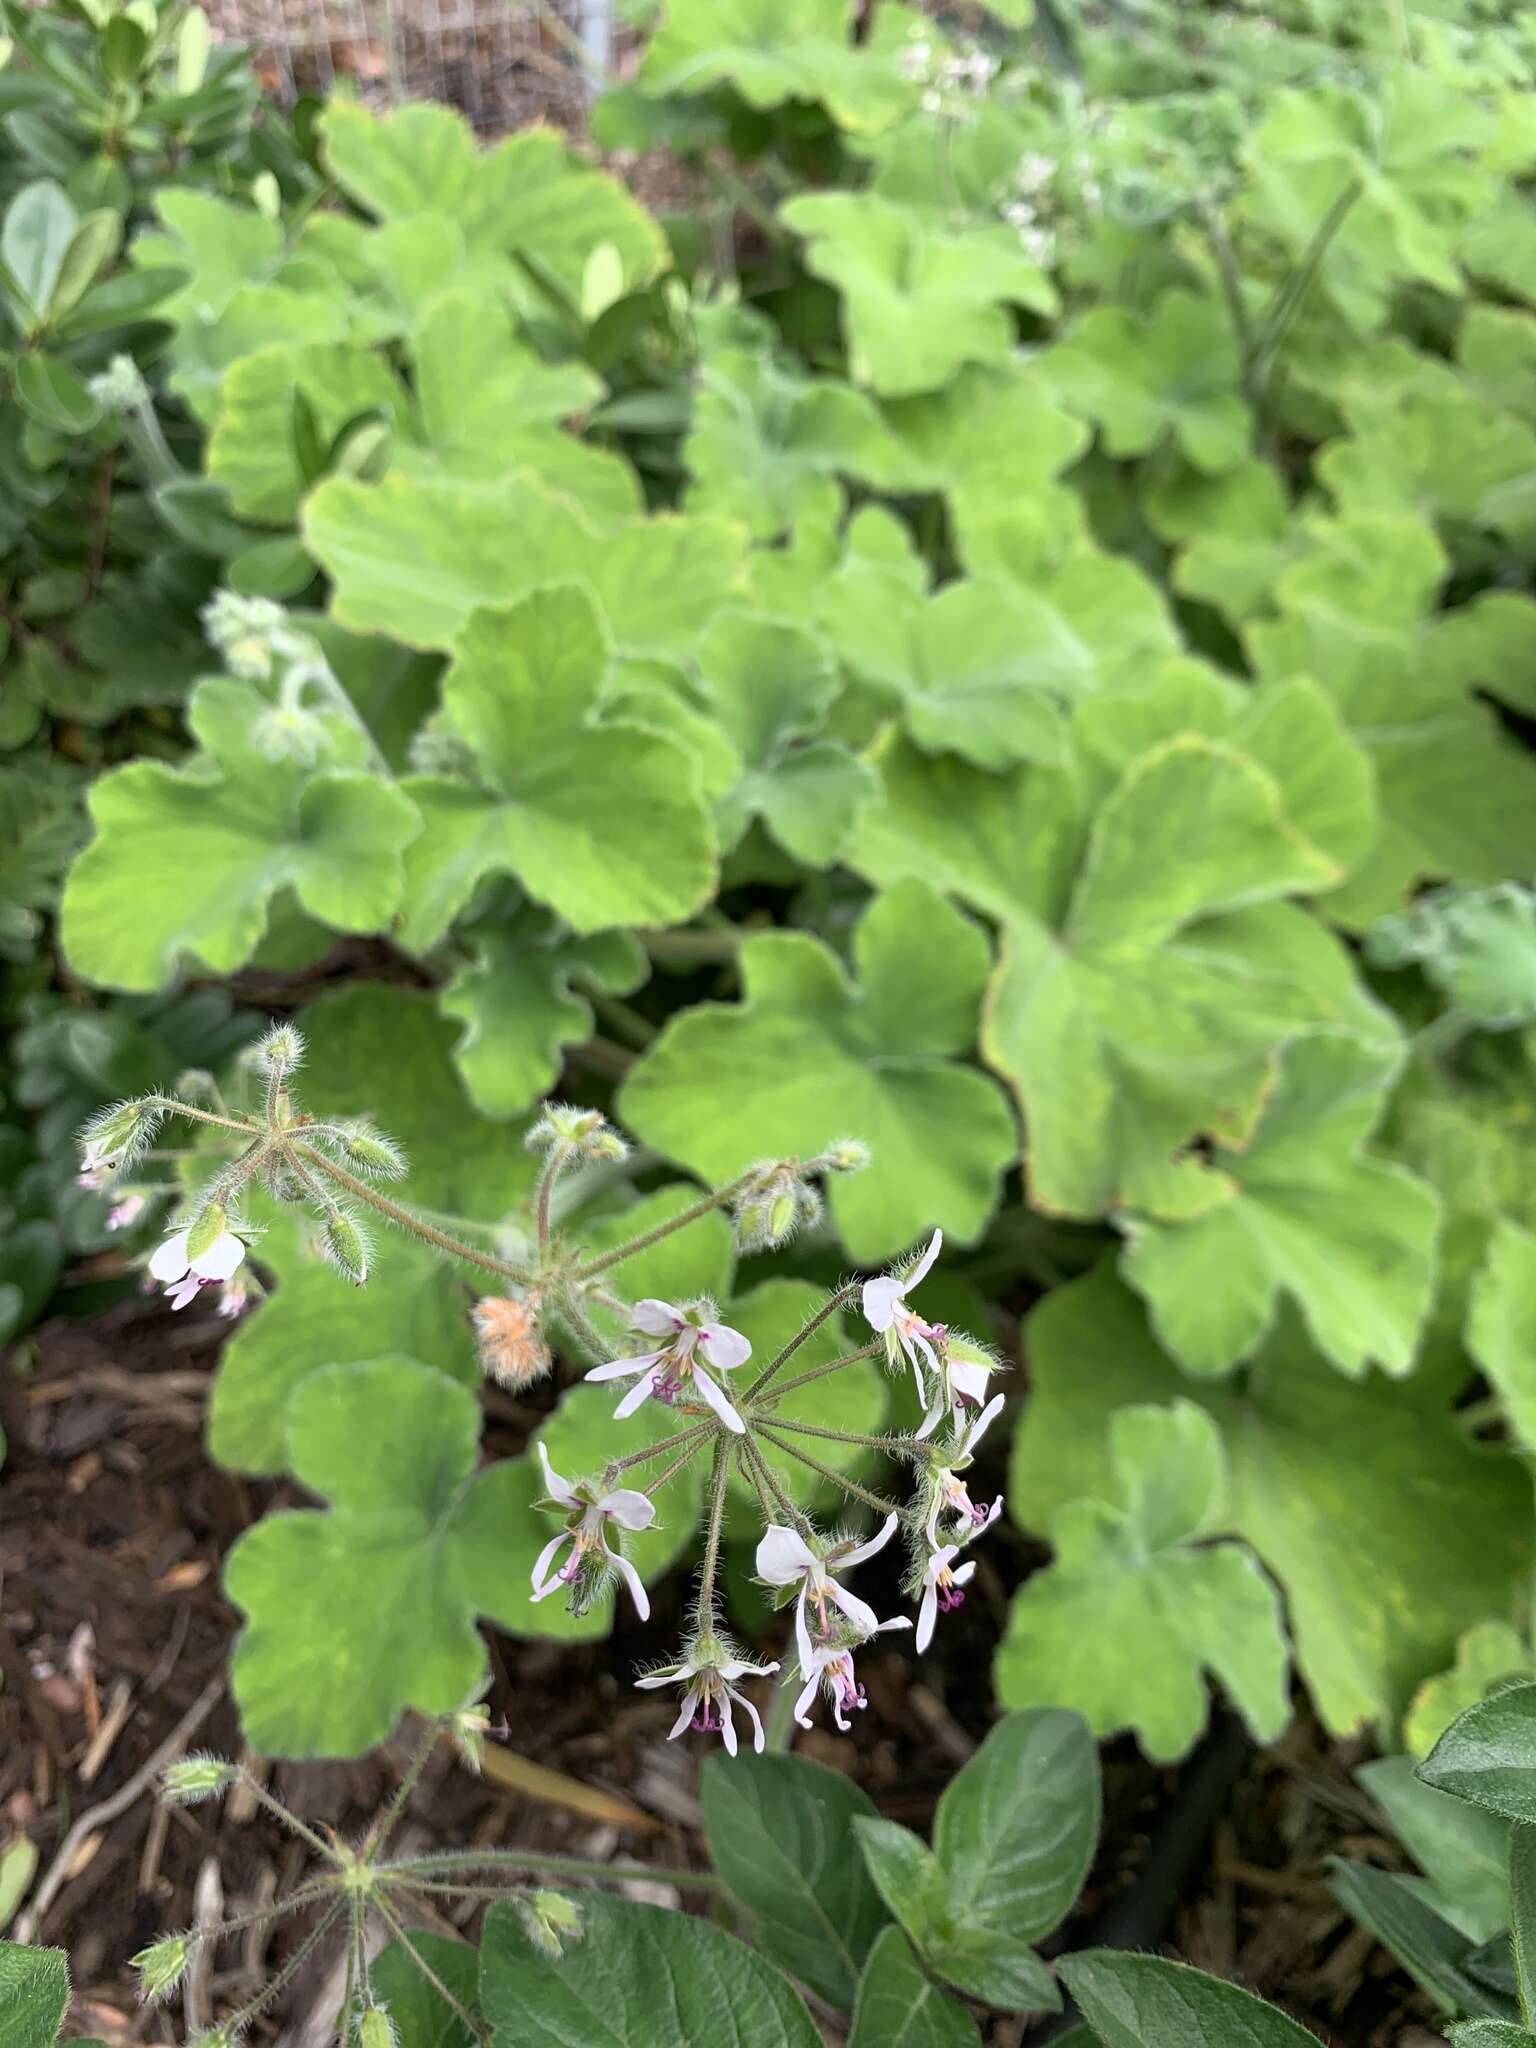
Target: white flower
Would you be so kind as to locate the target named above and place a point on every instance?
(887, 1311)
(943, 1580)
(233, 1298)
(694, 1340)
(784, 1558)
(833, 1669)
(182, 1276)
(950, 1495)
(585, 1532)
(709, 1673)
(965, 1379)
(125, 1212)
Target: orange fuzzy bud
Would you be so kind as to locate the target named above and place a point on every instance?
(512, 1350)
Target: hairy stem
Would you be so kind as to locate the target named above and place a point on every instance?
(173, 1107)
(554, 1166)
(436, 1862)
(378, 1835)
(684, 1458)
(504, 1269)
(647, 1238)
(692, 1436)
(397, 1928)
(719, 1472)
(767, 1477)
(263, 1797)
(849, 1486)
(819, 1372)
(808, 1330)
(892, 1446)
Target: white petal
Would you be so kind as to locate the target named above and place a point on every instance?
(631, 1579)
(940, 1560)
(878, 1541)
(221, 1259)
(930, 1423)
(968, 1378)
(921, 1269)
(963, 1574)
(690, 1701)
(656, 1318)
(638, 1394)
(783, 1556)
(897, 1621)
(928, 1614)
(731, 1668)
(169, 1260)
(559, 1489)
(727, 1722)
(724, 1347)
(546, 1559)
(879, 1301)
(705, 1387)
(759, 1738)
(667, 1675)
(183, 1290)
(858, 1611)
(983, 1422)
(807, 1694)
(992, 1514)
(621, 1368)
(630, 1510)
(803, 1634)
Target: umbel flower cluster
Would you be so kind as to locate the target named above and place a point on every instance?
(684, 1355)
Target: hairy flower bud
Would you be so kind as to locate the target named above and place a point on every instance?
(549, 1920)
(778, 1202)
(563, 1126)
(468, 1729)
(848, 1155)
(371, 1152)
(162, 1966)
(512, 1349)
(192, 1778)
(376, 2029)
(115, 1137)
(280, 1051)
(345, 1243)
(120, 387)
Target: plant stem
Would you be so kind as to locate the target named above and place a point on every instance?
(828, 1308)
(766, 1476)
(849, 1486)
(718, 1474)
(647, 1238)
(750, 1471)
(892, 1446)
(554, 1166)
(656, 1450)
(349, 1990)
(378, 1835)
(438, 1861)
(263, 1797)
(682, 946)
(581, 1326)
(819, 1372)
(677, 1465)
(172, 1107)
(397, 1929)
(288, 1972)
(504, 1269)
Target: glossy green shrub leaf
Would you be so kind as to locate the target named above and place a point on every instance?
(358, 1610)
(1488, 1754)
(919, 299)
(603, 822)
(1174, 375)
(204, 849)
(1134, 1612)
(1384, 1527)
(35, 235)
(1141, 2001)
(899, 2007)
(603, 1991)
(810, 1056)
(54, 395)
(781, 1836)
(1296, 1210)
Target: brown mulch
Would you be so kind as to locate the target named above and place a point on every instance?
(113, 1625)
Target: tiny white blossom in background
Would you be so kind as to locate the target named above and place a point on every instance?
(126, 1212)
(233, 1299)
(182, 1277)
(709, 1673)
(943, 1580)
(888, 1312)
(586, 1534)
(784, 1558)
(695, 1340)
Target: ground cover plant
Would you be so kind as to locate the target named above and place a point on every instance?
(994, 649)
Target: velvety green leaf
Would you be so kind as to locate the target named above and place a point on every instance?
(1501, 1330)
(1491, 2034)
(1176, 374)
(898, 2007)
(1489, 1656)
(1488, 1754)
(1142, 2001)
(1126, 1622)
(1394, 464)
(34, 1995)
(810, 1056)
(1477, 946)
(993, 440)
(359, 1610)
(202, 850)
(772, 51)
(1295, 1210)
(418, 2012)
(781, 1837)
(519, 1001)
(657, 581)
(1385, 1527)
(1463, 1851)
(640, 1977)
(603, 823)
(253, 449)
(1429, 1948)
(919, 299)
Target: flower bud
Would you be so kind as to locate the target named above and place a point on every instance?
(372, 1152)
(115, 1137)
(848, 1155)
(345, 1244)
(376, 2029)
(162, 1966)
(192, 1778)
(468, 1729)
(120, 387)
(287, 732)
(206, 1231)
(549, 1920)
(512, 1349)
(773, 1207)
(280, 1051)
(563, 1127)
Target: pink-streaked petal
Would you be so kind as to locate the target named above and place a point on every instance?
(638, 1394)
(629, 1509)
(759, 1737)
(558, 1489)
(656, 1318)
(222, 1258)
(783, 1556)
(727, 1722)
(690, 1702)
(858, 1611)
(724, 1347)
(621, 1368)
(924, 1265)
(968, 1378)
(546, 1558)
(877, 1542)
(928, 1614)
(879, 1301)
(707, 1391)
(184, 1290)
(631, 1579)
(168, 1261)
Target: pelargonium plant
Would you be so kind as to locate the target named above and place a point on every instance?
(727, 1404)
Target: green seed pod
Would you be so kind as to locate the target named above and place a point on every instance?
(162, 1966)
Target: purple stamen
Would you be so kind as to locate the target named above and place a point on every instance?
(980, 1514)
(668, 1388)
(706, 1718)
(950, 1597)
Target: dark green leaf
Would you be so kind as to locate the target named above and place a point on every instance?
(899, 2008)
(418, 2011)
(1432, 1951)
(34, 1995)
(54, 395)
(1488, 1755)
(1137, 2001)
